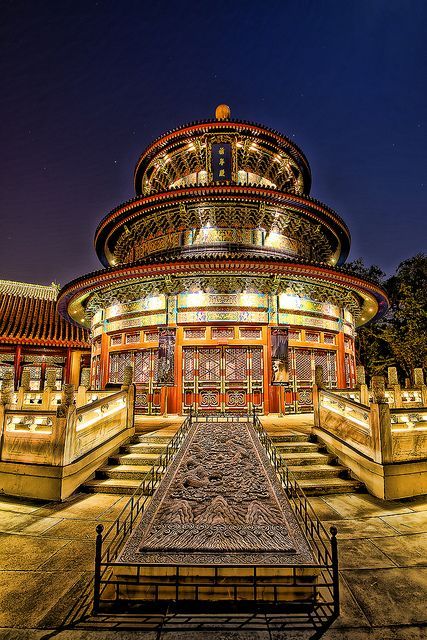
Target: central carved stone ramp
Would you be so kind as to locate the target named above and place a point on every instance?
(317, 471)
(219, 528)
(126, 469)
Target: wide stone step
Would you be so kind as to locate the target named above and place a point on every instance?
(297, 447)
(303, 458)
(143, 447)
(323, 486)
(140, 451)
(132, 458)
(124, 471)
(157, 440)
(110, 485)
(289, 437)
(313, 471)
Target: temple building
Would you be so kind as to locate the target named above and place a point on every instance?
(35, 339)
(225, 266)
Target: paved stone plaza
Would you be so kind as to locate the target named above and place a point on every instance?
(47, 551)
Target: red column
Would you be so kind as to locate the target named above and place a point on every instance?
(341, 361)
(67, 369)
(17, 365)
(104, 360)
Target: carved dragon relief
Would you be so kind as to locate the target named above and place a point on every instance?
(219, 502)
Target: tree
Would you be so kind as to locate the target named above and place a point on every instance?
(407, 330)
(400, 337)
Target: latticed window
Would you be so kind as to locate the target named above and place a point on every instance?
(303, 365)
(151, 336)
(115, 340)
(142, 364)
(294, 335)
(236, 367)
(312, 336)
(209, 365)
(118, 362)
(222, 333)
(96, 372)
(132, 338)
(329, 338)
(250, 334)
(256, 364)
(188, 366)
(195, 334)
(6, 363)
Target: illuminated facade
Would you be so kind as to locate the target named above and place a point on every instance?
(221, 244)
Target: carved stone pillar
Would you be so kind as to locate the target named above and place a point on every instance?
(392, 376)
(378, 389)
(50, 379)
(360, 375)
(85, 378)
(25, 380)
(418, 378)
(127, 376)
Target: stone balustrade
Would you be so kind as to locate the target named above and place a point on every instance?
(57, 441)
(372, 439)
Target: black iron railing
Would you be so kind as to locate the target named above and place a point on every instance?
(307, 592)
(109, 544)
(323, 544)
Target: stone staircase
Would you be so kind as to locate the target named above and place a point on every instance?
(317, 471)
(126, 469)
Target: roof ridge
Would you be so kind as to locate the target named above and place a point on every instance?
(29, 290)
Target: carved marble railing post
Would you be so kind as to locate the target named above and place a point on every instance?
(67, 400)
(25, 380)
(393, 383)
(381, 422)
(127, 376)
(49, 387)
(81, 397)
(361, 384)
(7, 387)
(419, 384)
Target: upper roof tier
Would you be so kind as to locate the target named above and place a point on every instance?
(222, 150)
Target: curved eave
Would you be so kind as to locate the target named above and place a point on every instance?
(309, 207)
(72, 298)
(205, 126)
(36, 342)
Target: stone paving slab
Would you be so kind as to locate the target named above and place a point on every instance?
(390, 596)
(405, 551)
(362, 554)
(361, 528)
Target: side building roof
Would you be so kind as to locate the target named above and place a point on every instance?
(28, 315)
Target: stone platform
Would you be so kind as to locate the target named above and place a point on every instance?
(47, 552)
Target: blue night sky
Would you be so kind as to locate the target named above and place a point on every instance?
(87, 85)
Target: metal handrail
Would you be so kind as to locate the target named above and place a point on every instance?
(324, 548)
(328, 552)
(125, 521)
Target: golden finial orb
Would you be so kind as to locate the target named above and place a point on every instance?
(222, 112)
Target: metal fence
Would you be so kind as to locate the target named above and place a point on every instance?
(310, 591)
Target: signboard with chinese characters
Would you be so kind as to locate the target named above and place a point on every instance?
(166, 362)
(279, 355)
(221, 159)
